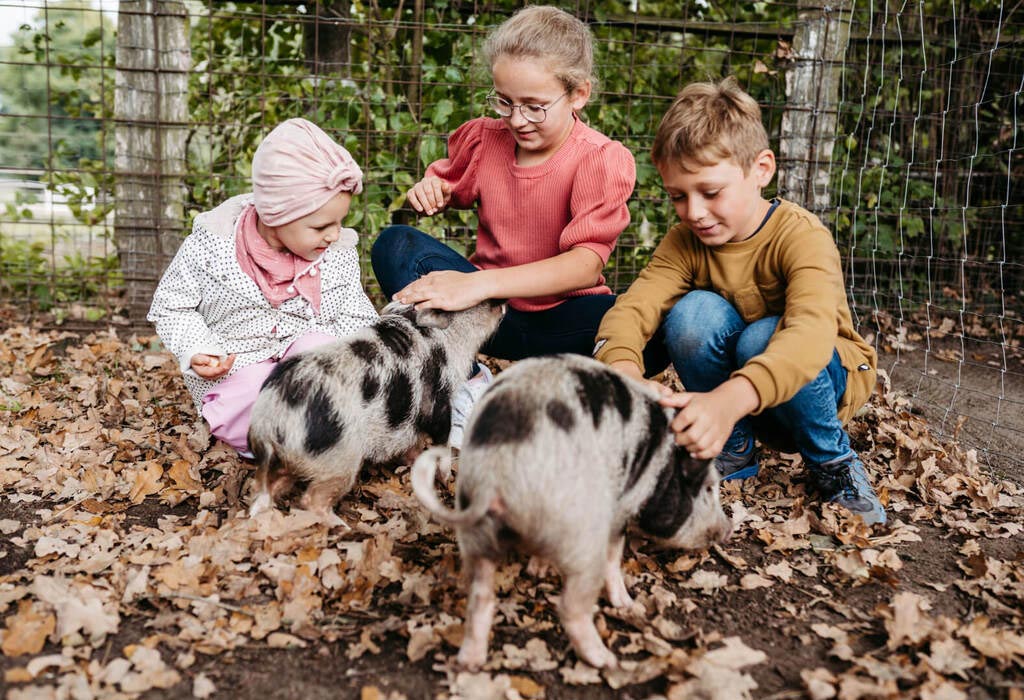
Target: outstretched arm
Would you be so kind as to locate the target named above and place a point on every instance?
(578, 268)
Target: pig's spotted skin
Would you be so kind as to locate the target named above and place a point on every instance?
(366, 351)
(280, 380)
(324, 426)
(395, 337)
(399, 399)
(560, 414)
(502, 421)
(647, 444)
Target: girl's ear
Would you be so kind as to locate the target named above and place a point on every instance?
(580, 95)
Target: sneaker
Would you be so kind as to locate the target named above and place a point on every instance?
(846, 482)
(465, 398)
(738, 464)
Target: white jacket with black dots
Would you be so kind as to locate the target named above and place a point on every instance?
(205, 303)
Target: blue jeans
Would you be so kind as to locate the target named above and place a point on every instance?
(708, 340)
(402, 254)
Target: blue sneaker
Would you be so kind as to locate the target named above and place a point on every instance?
(846, 482)
(740, 463)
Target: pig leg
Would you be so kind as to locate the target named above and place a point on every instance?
(269, 488)
(615, 587)
(479, 612)
(322, 494)
(537, 566)
(577, 613)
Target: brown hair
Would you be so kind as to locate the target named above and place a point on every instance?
(562, 42)
(709, 122)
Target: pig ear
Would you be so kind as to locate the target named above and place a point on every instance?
(693, 467)
(433, 318)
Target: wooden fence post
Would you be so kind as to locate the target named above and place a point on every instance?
(812, 98)
(151, 112)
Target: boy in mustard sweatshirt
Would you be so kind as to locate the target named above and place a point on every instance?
(749, 295)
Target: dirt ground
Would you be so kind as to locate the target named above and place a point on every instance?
(128, 567)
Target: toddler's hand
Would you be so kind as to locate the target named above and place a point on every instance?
(430, 195)
(211, 366)
(445, 289)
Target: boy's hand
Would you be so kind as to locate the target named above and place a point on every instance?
(632, 370)
(211, 366)
(705, 420)
(446, 289)
(430, 195)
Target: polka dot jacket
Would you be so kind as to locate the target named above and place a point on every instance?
(206, 304)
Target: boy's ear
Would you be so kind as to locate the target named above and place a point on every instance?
(764, 167)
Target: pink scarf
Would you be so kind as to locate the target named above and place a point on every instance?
(280, 274)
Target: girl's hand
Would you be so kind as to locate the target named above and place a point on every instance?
(211, 366)
(430, 195)
(446, 289)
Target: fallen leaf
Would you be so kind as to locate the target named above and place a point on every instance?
(27, 630)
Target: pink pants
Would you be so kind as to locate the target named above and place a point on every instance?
(228, 406)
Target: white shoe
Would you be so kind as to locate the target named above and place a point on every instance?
(465, 398)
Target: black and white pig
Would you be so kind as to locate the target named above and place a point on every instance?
(371, 397)
(561, 453)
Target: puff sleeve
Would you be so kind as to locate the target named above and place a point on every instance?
(604, 182)
(460, 169)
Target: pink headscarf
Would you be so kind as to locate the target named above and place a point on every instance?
(297, 169)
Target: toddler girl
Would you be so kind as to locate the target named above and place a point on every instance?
(264, 275)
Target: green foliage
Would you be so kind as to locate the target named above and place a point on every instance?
(28, 272)
(59, 77)
(393, 107)
(61, 74)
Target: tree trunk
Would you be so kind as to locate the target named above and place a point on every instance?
(151, 109)
(327, 38)
(812, 98)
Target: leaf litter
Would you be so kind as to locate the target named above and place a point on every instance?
(128, 566)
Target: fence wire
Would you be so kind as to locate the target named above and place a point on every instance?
(120, 121)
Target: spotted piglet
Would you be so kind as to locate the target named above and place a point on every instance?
(561, 453)
(371, 397)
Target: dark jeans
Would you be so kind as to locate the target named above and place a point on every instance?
(402, 254)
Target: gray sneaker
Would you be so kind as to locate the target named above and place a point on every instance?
(738, 464)
(846, 482)
(463, 401)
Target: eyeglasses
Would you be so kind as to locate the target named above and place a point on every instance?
(534, 114)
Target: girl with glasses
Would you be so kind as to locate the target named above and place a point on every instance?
(550, 193)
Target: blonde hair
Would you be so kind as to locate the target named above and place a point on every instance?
(710, 122)
(562, 42)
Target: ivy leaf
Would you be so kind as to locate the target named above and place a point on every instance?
(442, 111)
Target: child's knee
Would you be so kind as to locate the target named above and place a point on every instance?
(698, 321)
(754, 338)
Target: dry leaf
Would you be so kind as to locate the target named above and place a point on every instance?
(27, 630)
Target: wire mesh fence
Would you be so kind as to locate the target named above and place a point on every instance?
(898, 125)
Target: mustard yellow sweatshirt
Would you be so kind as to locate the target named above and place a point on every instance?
(790, 269)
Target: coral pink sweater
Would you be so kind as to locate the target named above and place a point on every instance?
(575, 198)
